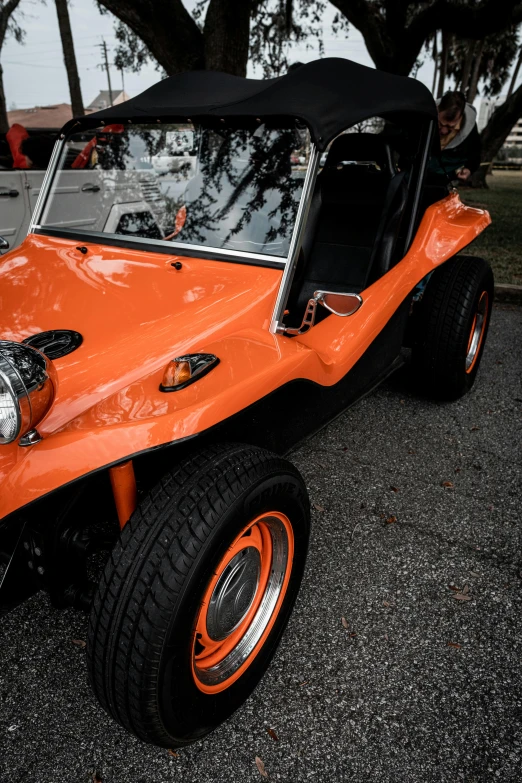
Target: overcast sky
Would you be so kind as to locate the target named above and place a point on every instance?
(34, 74)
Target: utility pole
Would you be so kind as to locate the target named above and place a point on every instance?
(104, 50)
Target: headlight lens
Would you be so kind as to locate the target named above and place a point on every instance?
(9, 412)
(27, 386)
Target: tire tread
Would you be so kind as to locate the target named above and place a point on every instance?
(149, 567)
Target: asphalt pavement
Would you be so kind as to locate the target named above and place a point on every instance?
(416, 544)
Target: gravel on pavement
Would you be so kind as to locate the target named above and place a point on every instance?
(402, 659)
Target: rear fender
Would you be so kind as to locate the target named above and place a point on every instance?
(446, 228)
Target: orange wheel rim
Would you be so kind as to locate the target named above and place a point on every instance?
(242, 601)
(477, 331)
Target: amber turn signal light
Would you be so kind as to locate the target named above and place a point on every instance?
(184, 370)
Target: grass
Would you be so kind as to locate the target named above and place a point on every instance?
(501, 243)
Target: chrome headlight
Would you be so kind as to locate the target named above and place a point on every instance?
(27, 387)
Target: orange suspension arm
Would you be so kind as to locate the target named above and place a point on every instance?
(124, 490)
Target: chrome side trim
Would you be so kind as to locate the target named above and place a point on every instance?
(276, 325)
(46, 184)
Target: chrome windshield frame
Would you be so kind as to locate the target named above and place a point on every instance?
(276, 324)
(224, 253)
(46, 184)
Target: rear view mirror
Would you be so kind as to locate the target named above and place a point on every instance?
(338, 304)
(4, 244)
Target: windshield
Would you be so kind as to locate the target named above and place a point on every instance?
(214, 187)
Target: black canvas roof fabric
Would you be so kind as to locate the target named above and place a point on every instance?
(329, 95)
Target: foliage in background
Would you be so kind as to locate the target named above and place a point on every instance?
(278, 25)
(493, 57)
(502, 240)
(275, 26)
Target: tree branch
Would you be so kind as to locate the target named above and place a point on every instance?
(372, 25)
(6, 12)
(167, 29)
(395, 46)
(464, 20)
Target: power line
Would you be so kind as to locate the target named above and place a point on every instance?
(35, 65)
(58, 42)
(58, 51)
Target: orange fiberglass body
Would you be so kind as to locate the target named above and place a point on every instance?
(217, 281)
(136, 312)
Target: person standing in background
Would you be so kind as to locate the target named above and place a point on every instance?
(459, 138)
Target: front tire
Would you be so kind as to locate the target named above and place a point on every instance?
(451, 327)
(197, 593)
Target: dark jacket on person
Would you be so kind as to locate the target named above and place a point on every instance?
(463, 151)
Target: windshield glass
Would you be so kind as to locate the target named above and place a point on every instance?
(217, 187)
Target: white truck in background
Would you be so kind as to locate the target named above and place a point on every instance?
(115, 202)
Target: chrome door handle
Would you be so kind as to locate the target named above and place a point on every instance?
(90, 188)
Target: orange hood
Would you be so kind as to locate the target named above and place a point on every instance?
(134, 310)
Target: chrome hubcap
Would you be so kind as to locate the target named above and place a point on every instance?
(234, 593)
(478, 326)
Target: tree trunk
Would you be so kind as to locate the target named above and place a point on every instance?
(515, 73)
(496, 132)
(443, 64)
(475, 75)
(69, 58)
(6, 11)
(468, 62)
(435, 55)
(226, 36)
(4, 122)
(173, 38)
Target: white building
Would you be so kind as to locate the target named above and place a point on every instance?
(515, 137)
(486, 109)
(103, 100)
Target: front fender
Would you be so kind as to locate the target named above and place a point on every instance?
(139, 417)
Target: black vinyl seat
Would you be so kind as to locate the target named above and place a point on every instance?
(354, 219)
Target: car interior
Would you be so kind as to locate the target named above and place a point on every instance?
(354, 220)
(356, 226)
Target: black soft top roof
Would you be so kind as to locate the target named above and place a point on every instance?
(329, 95)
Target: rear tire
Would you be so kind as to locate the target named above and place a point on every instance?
(451, 327)
(197, 593)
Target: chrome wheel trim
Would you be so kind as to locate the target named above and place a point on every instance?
(477, 330)
(237, 657)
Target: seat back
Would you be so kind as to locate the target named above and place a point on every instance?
(351, 192)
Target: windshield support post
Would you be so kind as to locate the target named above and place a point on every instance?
(419, 185)
(276, 325)
(46, 184)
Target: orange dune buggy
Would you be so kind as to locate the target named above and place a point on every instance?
(152, 372)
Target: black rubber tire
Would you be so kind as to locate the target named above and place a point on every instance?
(141, 628)
(443, 324)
